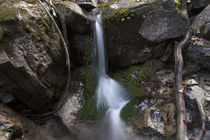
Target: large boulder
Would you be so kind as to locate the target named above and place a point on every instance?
(32, 66)
(201, 19)
(79, 28)
(133, 35)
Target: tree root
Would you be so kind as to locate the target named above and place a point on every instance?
(200, 134)
(181, 129)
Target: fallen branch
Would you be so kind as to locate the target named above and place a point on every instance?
(181, 129)
(200, 134)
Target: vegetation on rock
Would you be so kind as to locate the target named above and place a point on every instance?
(135, 79)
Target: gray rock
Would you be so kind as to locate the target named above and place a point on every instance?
(78, 19)
(206, 32)
(125, 45)
(74, 102)
(207, 135)
(13, 126)
(161, 25)
(196, 4)
(198, 53)
(32, 66)
(201, 19)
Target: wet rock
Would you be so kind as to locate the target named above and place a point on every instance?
(161, 25)
(198, 53)
(207, 135)
(158, 119)
(75, 16)
(54, 129)
(196, 4)
(74, 102)
(195, 92)
(201, 19)
(31, 57)
(127, 4)
(5, 97)
(206, 31)
(166, 77)
(79, 29)
(126, 45)
(13, 126)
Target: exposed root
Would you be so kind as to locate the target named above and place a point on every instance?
(181, 129)
(199, 135)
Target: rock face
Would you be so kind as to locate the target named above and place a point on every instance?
(75, 100)
(79, 28)
(199, 3)
(32, 66)
(198, 53)
(13, 126)
(201, 19)
(161, 25)
(134, 35)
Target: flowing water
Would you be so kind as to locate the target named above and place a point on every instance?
(110, 94)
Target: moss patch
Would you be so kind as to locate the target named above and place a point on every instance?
(106, 4)
(122, 14)
(178, 2)
(132, 79)
(7, 13)
(31, 1)
(89, 109)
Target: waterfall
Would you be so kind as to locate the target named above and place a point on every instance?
(110, 94)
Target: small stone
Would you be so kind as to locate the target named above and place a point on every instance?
(190, 82)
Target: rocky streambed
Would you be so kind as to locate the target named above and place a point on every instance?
(140, 37)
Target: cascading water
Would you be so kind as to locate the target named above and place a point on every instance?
(110, 94)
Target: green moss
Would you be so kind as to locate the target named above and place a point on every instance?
(131, 79)
(178, 2)
(65, 3)
(1, 32)
(106, 4)
(129, 112)
(89, 109)
(202, 28)
(7, 13)
(122, 14)
(31, 1)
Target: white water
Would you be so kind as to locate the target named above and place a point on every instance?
(110, 94)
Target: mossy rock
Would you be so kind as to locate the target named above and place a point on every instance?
(121, 14)
(7, 14)
(31, 1)
(103, 5)
(178, 2)
(131, 79)
(89, 110)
